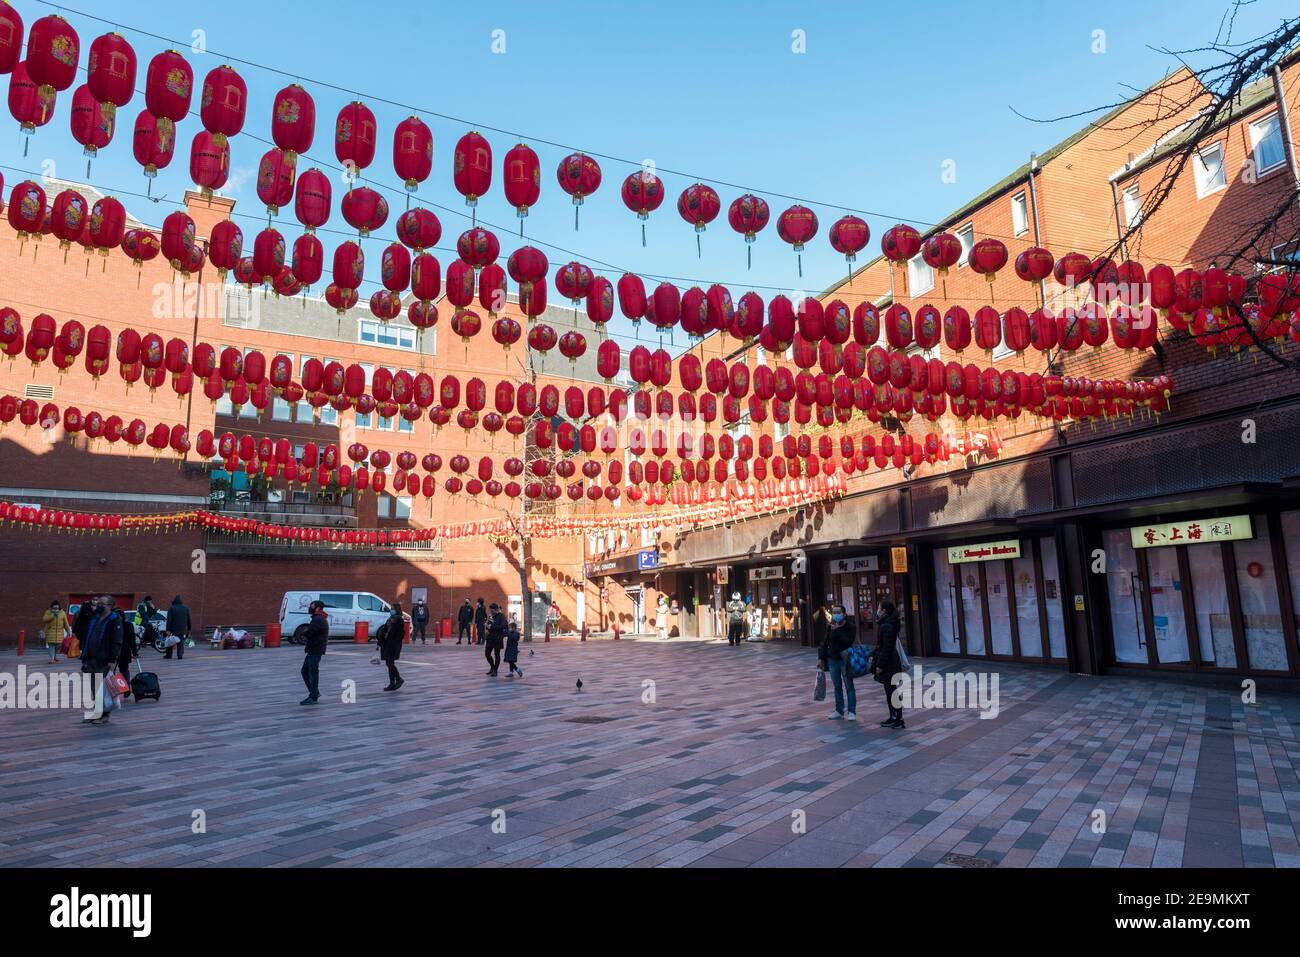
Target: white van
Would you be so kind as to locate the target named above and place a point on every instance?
(343, 609)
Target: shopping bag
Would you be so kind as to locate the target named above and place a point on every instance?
(819, 692)
(859, 660)
(117, 684)
(904, 662)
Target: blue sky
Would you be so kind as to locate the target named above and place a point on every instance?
(865, 118)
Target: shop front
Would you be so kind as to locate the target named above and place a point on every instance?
(1213, 592)
(773, 594)
(999, 599)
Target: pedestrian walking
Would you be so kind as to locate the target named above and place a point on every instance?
(496, 628)
(831, 656)
(99, 652)
(735, 620)
(178, 626)
(661, 618)
(56, 628)
(464, 622)
(315, 639)
(389, 638)
(419, 621)
(887, 663)
(480, 622)
(512, 648)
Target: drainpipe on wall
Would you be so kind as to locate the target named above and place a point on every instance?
(1279, 91)
(1119, 230)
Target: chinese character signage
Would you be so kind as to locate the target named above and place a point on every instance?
(898, 555)
(1229, 528)
(847, 566)
(984, 551)
(766, 573)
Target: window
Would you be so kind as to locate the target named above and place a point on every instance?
(1002, 350)
(224, 406)
(365, 421)
(781, 430)
(371, 603)
(329, 415)
(1019, 214)
(1266, 144)
(281, 411)
(337, 600)
(385, 334)
(966, 235)
(394, 506)
(405, 425)
(385, 424)
(920, 277)
(1132, 206)
(760, 356)
(1208, 167)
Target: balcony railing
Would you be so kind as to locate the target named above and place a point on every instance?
(297, 513)
(232, 543)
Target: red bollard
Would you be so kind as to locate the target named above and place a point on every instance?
(272, 639)
(361, 633)
(616, 632)
(22, 640)
(548, 630)
(406, 632)
(584, 632)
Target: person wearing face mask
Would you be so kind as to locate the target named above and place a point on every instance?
(55, 626)
(887, 661)
(840, 636)
(102, 648)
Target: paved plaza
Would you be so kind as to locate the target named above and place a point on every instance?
(718, 769)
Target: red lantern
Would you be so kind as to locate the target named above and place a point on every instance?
(386, 305)
(11, 38)
(364, 209)
(849, 235)
(572, 346)
(419, 228)
(573, 281)
(68, 217)
(344, 299)
(92, 121)
(293, 121)
(275, 177)
(472, 168)
(988, 256)
(168, 86)
(27, 103)
(412, 152)
(349, 265)
(26, 210)
(643, 193)
(395, 268)
(1034, 264)
(355, 136)
(797, 226)
(631, 295)
(506, 331)
(52, 51)
(426, 277)
(225, 103)
(941, 252)
(209, 162)
(107, 224)
(478, 247)
(154, 143)
(748, 215)
(579, 176)
(312, 199)
(699, 205)
(308, 259)
(268, 253)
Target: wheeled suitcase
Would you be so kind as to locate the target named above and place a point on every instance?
(145, 685)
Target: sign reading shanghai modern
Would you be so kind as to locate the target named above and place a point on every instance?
(1229, 528)
(984, 551)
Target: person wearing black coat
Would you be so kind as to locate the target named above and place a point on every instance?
(389, 638)
(887, 663)
(831, 654)
(81, 624)
(512, 648)
(480, 622)
(497, 626)
(178, 626)
(465, 619)
(103, 646)
(315, 639)
(419, 621)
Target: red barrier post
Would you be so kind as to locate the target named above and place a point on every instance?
(584, 632)
(272, 636)
(616, 632)
(22, 640)
(361, 633)
(548, 629)
(406, 632)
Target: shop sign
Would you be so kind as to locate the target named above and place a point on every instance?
(647, 559)
(766, 573)
(601, 568)
(898, 555)
(847, 566)
(1229, 528)
(984, 551)
(723, 574)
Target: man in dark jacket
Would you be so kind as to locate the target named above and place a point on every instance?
(314, 641)
(389, 638)
(102, 646)
(480, 622)
(887, 662)
(419, 620)
(81, 624)
(497, 626)
(464, 619)
(178, 626)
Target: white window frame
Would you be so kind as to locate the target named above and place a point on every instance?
(377, 329)
(1003, 350)
(965, 236)
(1020, 208)
(281, 411)
(1131, 197)
(1256, 138)
(918, 282)
(1201, 171)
